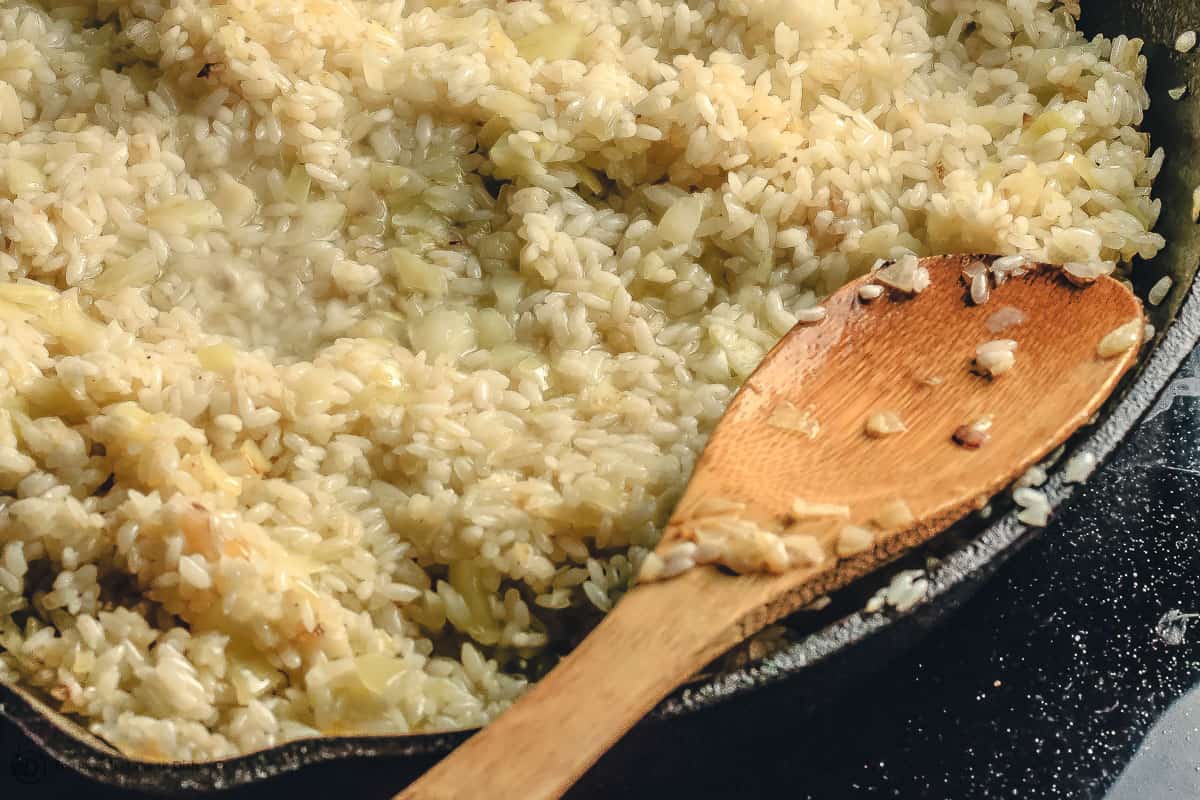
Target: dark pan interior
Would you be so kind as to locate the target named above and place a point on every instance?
(828, 648)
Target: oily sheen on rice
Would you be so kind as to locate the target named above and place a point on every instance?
(350, 349)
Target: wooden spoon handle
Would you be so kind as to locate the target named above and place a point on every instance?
(537, 749)
(866, 358)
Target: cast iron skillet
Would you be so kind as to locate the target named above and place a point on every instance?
(827, 649)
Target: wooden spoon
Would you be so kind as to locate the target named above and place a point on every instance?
(911, 355)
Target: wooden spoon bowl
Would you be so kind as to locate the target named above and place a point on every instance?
(910, 355)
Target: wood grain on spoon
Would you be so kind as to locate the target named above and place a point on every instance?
(911, 355)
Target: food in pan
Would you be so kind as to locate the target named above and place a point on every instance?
(354, 352)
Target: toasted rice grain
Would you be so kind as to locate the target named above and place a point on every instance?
(1158, 292)
(995, 357)
(1120, 339)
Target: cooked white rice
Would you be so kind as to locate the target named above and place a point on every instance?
(1034, 505)
(1158, 292)
(1080, 467)
(996, 357)
(906, 589)
(351, 349)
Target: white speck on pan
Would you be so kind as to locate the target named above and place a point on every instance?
(1172, 627)
(1120, 339)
